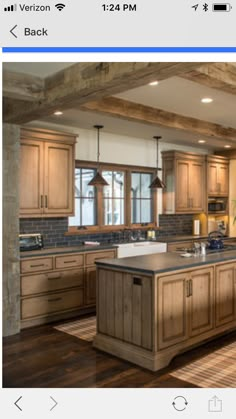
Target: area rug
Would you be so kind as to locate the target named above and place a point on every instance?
(84, 329)
(217, 369)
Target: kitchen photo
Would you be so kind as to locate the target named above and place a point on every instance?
(119, 225)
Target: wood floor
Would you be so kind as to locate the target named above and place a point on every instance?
(44, 357)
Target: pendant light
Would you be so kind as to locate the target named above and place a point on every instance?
(98, 180)
(157, 182)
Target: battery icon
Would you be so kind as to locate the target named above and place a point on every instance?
(221, 7)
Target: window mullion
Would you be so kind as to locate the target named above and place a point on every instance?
(127, 195)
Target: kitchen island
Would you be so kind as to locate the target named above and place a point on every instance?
(151, 308)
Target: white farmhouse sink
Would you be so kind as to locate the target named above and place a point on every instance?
(140, 248)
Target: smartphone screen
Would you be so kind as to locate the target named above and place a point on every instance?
(118, 209)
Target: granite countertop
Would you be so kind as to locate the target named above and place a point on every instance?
(164, 262)
(68, 249)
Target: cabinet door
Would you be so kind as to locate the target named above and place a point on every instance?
(31, 178)
(182, 186)
(225, 294)
(218, 178)
(201, 301)
(223, 179)
(196, 187)
(172, 327)
(212, 179)
(90, 286)
(58, 179)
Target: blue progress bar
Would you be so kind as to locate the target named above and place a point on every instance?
(118, 49)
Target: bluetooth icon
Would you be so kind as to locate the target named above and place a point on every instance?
(205, 7)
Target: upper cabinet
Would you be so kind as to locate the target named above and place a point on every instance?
(217, 175)
(184, 177)
(46, 173)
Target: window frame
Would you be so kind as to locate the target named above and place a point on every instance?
(127, 169)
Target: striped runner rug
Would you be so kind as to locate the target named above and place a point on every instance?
(217, 369)
(84, 329)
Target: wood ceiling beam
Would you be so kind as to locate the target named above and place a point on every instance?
(22, 86)
(84, 82)
(134, 112)
(220, 76)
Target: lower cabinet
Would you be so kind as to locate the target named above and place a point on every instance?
(225, 294)
(90, 286)
(125, 307)
(172, 313)
(58, 286)
(186, 305)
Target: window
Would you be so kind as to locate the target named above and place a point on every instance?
(113, 198)
(141, 198)
(126, 202)
(85, 199)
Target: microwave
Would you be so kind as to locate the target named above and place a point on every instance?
(30, 241)
(217, 205)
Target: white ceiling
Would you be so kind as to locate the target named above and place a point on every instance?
(174, 95)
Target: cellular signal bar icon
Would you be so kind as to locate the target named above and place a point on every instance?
(11, 8)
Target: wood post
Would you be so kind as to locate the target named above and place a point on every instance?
(11, 265)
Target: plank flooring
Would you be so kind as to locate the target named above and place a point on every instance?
(45, 357)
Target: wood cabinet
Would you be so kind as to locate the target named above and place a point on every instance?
(125, 307)
(172, 318)
(46, 174)
(58, 286)
(184, 177)
(225, 294)
(217, 176)
(186, 303)
(201, 301)
(150, 318)
(90, 273)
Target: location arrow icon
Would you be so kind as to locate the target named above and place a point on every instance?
(195, 7)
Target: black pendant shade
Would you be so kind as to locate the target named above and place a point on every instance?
(157, 182)
(98, 180)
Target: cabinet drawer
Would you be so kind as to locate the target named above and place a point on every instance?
(91, 258)
(68, 261)
(51, 281)
(49, 304)
(36, 265)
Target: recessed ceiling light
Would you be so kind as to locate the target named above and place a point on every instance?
(202, 141)
(227, 146)
(57, 113)
(153, 83)
(206, 100)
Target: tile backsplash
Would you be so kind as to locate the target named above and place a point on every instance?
(53, 230)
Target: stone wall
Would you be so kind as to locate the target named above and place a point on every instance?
(11, 265)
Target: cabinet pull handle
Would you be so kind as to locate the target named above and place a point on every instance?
(41, 199)
(70, 261)
(37, 266)
(50, 278)
(190, 287)
(50, 300)
(187, 289)
(46, 201)
(137, 281)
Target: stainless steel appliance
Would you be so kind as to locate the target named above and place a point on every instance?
(216, 205)
(30, 241)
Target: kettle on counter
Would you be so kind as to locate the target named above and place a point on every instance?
(215, 240)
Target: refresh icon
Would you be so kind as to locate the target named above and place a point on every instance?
(179, 403)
